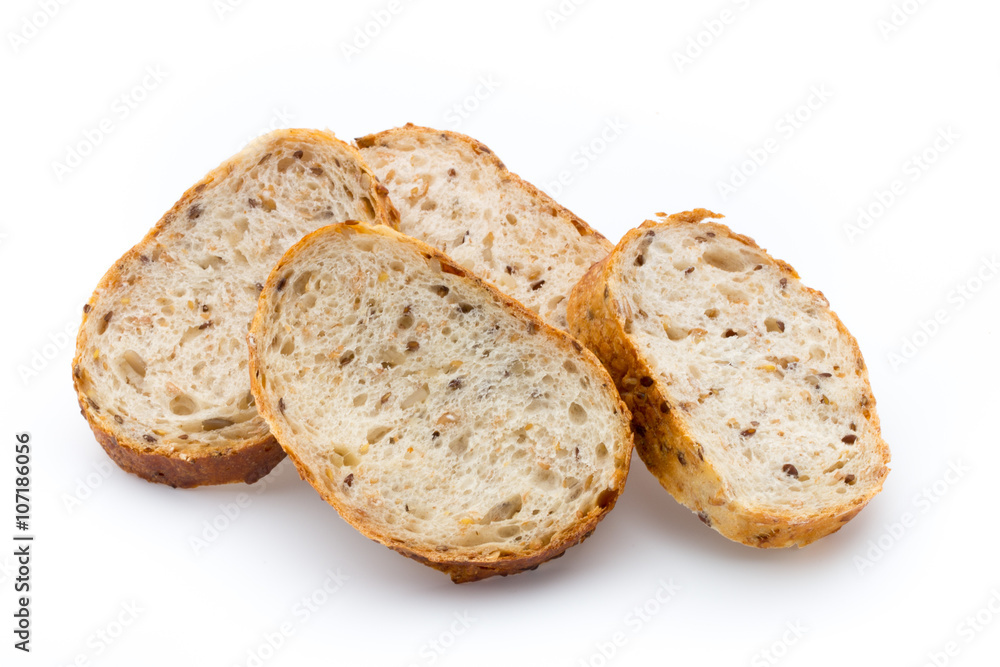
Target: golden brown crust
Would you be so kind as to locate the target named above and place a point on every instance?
(380, 138)
(461, 569)
(248, 465)
(663, 439)
(245, 461)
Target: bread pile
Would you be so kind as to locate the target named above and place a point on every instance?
(460, 366)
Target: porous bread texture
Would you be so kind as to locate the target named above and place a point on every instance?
(436, 415)
(750, 399)
(456, 195)
(161, 364)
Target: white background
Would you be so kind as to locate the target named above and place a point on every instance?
(872, 594)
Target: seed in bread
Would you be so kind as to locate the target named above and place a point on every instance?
(161, 366)
(437, 415)
(456, 195)
(750, 399)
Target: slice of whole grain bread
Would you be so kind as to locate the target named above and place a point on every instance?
(161, 366)
(750, 399)
(455, 194)
(437, 415)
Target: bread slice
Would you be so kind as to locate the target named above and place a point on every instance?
(750, 399)
(438, 416)
(456, 195)
(161, 365)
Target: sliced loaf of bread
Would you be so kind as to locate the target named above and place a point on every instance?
(437, 415)
(453, 193)
(161, 364)
(750, 399)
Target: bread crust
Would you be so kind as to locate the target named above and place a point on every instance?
(243, 461)
(461, 570)
(483, 151)
(663, 440)
(251, 463)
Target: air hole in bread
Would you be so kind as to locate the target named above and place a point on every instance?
(733, 294)
(725, 259)
(368, 208)
(577, 413)
(363, 242)
(183, 405)
(503, 511)
(166, 306)
(545, 478)
(193, 332)
(215, 423)
(676, 333)
(536, 404)
(240, 258)
(246, 401)
(134, 364)
(211, 262)
(606, 497)
(390, 357)
(774, 325)
(459, 445)
(417, 396)
(301, 283)
(377, 433)
(507, 532)
(836, 466)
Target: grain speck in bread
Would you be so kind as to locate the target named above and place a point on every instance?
(455, 194)
(437, 415)
(750, 399)
(161, 366)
